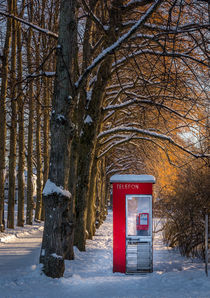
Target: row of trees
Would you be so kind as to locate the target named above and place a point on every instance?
(25, 104)
(126, 72)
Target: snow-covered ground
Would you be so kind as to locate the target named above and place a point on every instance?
(90, 274)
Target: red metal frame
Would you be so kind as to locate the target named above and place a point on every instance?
(120, 190)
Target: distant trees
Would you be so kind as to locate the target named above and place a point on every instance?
(25, 103)
(4, 84)
(184, 210)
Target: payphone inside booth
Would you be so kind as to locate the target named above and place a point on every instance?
(132, 223)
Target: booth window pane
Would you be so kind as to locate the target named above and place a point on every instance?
(138, 213)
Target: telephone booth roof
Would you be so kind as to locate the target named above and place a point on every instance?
(133, 178)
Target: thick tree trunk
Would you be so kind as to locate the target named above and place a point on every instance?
(57, 234)
(87, 150)
(58, 228)
(92, 127)
(4, 82)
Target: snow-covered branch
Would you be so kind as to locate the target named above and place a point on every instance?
(147, 102)
(152, 134)
(135, 3)
(37, 28)
(126, 139)
(116, 44)
(174, 30)
(48, 74)
(160, 54)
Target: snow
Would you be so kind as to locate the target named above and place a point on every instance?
(61, 118)
(133, 178)
(88, 120)
(54, 255)
(51, 188)
(90, 274)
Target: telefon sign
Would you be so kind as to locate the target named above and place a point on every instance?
(127, 186)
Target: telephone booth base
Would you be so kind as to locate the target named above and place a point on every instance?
(138, 257)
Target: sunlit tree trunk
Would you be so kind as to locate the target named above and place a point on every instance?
(38, 142)
(21, 139)
(91, 208)
(13, 128)
(30, 203)
(4, 83)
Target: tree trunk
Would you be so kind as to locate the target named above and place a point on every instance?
(30, 203)
(58, 227)
(46, 135)
(38, 142)
(4, 82)
(91, 128)
(13, 128)
(21, 140)
(91, 209)
(87, 150)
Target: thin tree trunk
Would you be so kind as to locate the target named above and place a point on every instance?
(30, 202)
(46, 135)
(4, 82)
(13, 128)
(38, 143)
(21, 139)
(91, 209)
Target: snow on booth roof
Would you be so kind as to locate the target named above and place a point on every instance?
(133, 178)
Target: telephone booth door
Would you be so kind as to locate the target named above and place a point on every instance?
(138, 233)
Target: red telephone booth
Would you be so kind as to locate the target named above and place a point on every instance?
(132, 223)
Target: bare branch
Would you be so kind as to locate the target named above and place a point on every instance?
(116, 45)
(151, 134)
(37, 28)
(148, 102)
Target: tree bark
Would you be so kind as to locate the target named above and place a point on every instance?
(92, 126)
(21, 139)
(4, 83)
(87, 151)
(58, 227)
(13, 128)
(38, 142)
(91, 208)
(30, 202)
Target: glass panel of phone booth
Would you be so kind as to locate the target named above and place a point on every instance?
(138, 216)
(138, 233)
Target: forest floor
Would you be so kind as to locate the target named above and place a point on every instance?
(90, 274)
